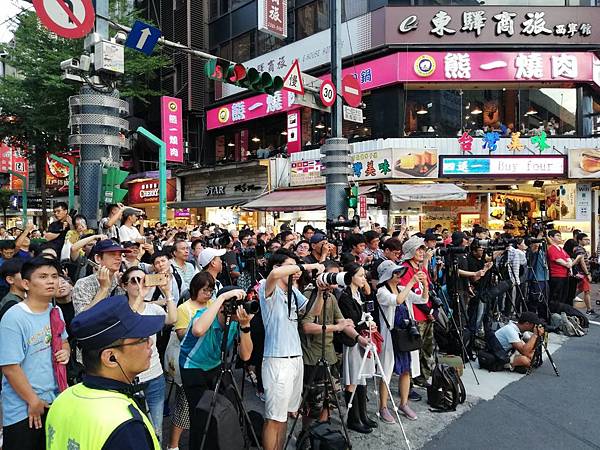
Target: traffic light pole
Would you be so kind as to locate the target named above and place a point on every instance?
(336, 149)
(162, 171)
(65, 162)
(23, 195)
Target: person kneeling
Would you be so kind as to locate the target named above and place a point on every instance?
(508, 345)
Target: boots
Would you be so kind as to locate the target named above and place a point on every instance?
(354, 422)
(361, 402)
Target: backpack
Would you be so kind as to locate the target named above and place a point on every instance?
(446, 390)
(321, 436)
(489, 362)
(570, 326)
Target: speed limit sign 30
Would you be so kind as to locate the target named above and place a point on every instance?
(327, 93)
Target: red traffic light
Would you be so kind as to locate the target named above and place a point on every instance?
(236, 73)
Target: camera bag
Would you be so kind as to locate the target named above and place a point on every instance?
(446, 391)
(402, 339)
(321, 436)
(489, 362)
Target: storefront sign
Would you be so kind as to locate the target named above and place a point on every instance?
(305, 173)
(584, 163)
(294, 141)
(583, 207)
(20, 165)
(494, 25)
(57, 174)
(561, 201)
(363, 206)
(182, 213)
(145, 192)
(353, 114)
(503, 166)
(272, 17)
(5, 158)
(420, 67)
(311, 52)
(213, 191)
(172, 127)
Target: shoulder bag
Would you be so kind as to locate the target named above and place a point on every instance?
(402, 339)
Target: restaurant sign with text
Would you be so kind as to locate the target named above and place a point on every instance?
(503, 166)
(272, 17)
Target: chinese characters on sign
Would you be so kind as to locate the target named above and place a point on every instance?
(20, 165)
(272, 19)
(172, 127)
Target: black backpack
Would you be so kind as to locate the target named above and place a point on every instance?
(321, 436)
(446, 390)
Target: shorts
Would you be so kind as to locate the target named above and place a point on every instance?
(316, 399)
(584, 285)
(282, 379)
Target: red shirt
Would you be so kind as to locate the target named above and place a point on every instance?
(556, 270)
(417, 289)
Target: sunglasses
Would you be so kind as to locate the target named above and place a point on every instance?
(135, 280)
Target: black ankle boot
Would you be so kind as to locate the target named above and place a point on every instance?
(361, 402)
(354, 422)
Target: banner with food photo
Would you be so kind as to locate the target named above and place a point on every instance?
(560, 201)
(584, 163)
(410, 163)
(57, 174)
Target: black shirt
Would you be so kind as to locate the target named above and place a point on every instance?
(475, 265)
(58, 228)
(68, 312)
(130, 435)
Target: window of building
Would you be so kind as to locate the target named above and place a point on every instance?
(213, 9)
(498, 2)
(243, 47)
(354, 8)
(449, 113)
(267, 43)
(312, 18)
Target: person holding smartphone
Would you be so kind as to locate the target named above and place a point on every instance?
(153, 379)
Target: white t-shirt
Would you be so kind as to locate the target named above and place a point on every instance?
(129, 233)
(155, 370)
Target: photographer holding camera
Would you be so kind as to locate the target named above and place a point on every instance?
(282, 370)
(200, 352)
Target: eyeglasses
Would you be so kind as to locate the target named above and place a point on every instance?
(208, 290)
(143, 340)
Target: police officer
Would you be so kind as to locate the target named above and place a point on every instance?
(101, 412)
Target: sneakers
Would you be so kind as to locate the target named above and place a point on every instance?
(420, 381)
(590, 312)
(408, 412)
(414, 396)
(386, 416)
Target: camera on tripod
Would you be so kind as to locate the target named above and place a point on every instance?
(222, 239)
(341, 224)
(231, 305)
(450, 251)
(530, 240)
(495, 244)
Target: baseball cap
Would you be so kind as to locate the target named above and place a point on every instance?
(108, 245)
(317, 237)
(531, 317)
(458, 237)
(387, 269)
(208, 254)
(110, 320)
(430, 236)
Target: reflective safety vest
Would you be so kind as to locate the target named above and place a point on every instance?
(84, 418)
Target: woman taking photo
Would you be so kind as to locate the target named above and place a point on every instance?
(396, 302)
(352, 305)
(132, 281)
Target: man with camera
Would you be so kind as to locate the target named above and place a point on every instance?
(282, 370)
(508, 346)
(128, 231)
(319, 249)
(57, 230)
(200, 352)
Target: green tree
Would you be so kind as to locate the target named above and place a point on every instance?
(5, 195)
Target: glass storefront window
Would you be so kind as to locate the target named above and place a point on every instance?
(449, 113)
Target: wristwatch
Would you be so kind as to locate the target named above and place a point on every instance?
(245, 329)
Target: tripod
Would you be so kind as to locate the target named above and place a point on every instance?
(329, 385)
(536, 360)
(226, 369)
(371, 351)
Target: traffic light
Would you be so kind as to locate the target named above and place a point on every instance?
(352, 196)
(219, 69)
(112, 178)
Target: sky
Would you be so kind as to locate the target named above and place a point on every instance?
(9, 9)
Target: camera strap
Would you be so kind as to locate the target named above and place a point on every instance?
(290, 294)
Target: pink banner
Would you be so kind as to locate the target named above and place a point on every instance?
(172, 127)
(427, 67)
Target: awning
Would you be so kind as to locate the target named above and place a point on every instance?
(209, 203)
(425, 192)
(294, 200)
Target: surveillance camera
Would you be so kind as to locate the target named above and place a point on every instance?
(84, 63)
(70, 64)
(120, 37)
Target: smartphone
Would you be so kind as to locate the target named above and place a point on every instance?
(94, 264)
(155, 279)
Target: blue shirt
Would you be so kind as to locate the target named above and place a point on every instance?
(508, 335)
(204, 352)
(281, 329)
(539, 266)
(25, 339)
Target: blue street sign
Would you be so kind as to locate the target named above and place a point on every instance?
(143, 37)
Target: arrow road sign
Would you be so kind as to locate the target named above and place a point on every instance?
(143, 37)
(67, 18)
(293, 80)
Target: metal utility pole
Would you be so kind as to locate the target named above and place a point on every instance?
(336, 150)
(96, 123)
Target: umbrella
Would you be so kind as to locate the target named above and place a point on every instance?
(57, 327)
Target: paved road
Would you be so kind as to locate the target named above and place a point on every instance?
(540, 410)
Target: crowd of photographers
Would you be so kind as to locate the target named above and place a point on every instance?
(275, 294)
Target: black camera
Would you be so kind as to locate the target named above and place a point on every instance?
(531, 240)
(231, 305)
(342, 224)
(435, 300)
(411, 325)
(451, 250)
(219, 240)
